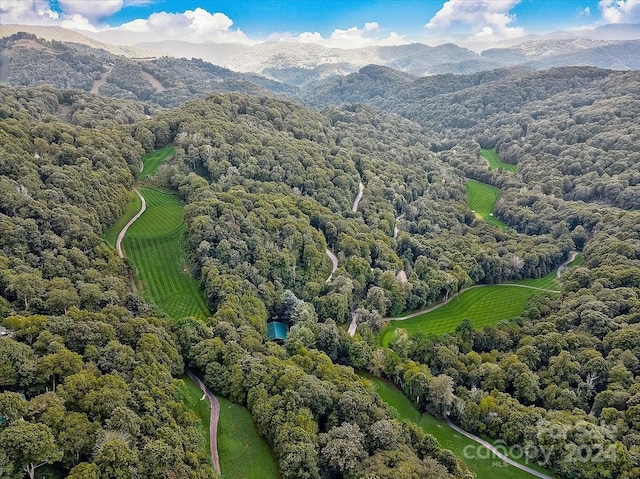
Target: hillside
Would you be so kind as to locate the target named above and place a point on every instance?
(376, 204)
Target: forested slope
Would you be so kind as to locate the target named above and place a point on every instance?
(268, 185)
(571, 130)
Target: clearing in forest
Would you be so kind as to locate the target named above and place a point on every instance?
(153, 160)
(133, 206)
(483, 463)
(495, 163)
(244, 454)
(481, 199)
(155, 244)
(483, 305)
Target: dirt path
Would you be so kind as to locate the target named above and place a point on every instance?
(564, 265)
(213, 427)
(123, 232)
(95, 88)
(396, 228)
(354, 207)
(334, 262)
(496, 452)
(153, 81)
(443, 302)
(354, 325)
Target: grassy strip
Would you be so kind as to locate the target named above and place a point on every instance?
(133, 206)
(546, 282)
(484, 306)
(478, 458)
(155, 244)
(191, 395)
(481, 199)
(577, 262)
(496, 163)
(153, 160)
(244, 454)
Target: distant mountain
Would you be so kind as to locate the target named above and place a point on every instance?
(620, 55)
(299, 65)
(26, 60)
(65, 35)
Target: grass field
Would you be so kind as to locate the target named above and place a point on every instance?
(191, 396)
(153, 160)
(155, 244)
(496, 163)
(481, 199)
(244, 454)
(133, 206)
(484, 306)
(484, 464)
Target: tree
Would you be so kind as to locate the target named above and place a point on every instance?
(28, 446)
(441, 394)
(343, 448)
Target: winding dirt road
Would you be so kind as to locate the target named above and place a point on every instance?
(334, 262)
(356, 201)
(496, 452)
(123, 232)
(213, 427)
(564, 265)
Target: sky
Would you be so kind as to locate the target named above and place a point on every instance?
(332, 23)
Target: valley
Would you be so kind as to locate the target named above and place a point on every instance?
(197, 265)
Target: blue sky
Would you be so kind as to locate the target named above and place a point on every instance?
(330, 22)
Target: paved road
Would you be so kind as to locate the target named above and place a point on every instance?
(354, 207)
(213, 427)
(562, 267)
(143, 207)
(496, 452)
(334, 262)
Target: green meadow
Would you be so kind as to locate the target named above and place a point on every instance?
(153, 160)
(244, 454)
(483, 305)
(481, 199)
(496, 163)
(133, 206)
(191, 396)
(484, 464)
(155, 244)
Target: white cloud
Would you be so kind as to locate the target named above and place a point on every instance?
(620, 11)
(95, 9)
(481, 19)
(37, 12)
(192, 25)
(586, 11)
(369, 35)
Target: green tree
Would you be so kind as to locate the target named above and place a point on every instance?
(27, 447)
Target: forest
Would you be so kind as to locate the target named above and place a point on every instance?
(90, 371)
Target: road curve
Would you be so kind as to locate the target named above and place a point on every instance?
(358, 197)
(562, 267)
(496, 452)
(123, 232)
(443, 302)
(334, 263)
(213, 426)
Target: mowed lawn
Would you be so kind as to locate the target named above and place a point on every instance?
(133, 206)
(496, 163)
(244, 454)
(483, 305)
(481, 198)
(191, 396)
(153, 160)
(155, 244)
(478, 458)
